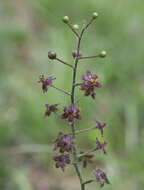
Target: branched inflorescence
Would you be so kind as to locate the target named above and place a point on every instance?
(65, 144)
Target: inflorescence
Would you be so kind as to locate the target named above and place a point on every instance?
(66, 151)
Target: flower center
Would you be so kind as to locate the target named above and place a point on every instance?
(91, 80)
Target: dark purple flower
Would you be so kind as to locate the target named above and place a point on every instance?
(101, 145)
(89, 83)
(50, 109)
(62, 160)
(71, 113)
(64, 143)
(100, 126)
(45, 82)
(101, 177)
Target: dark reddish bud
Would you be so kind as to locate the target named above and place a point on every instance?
(51, 55)
(74, 53)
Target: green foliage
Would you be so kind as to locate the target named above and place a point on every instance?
(28, 31)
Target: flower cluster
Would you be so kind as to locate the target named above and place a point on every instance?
(62, 160)
(65, 144)
(71, 113)
(101, 177)
(45, 82)
(89, 83)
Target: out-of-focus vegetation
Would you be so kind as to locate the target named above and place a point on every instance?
(28, 29)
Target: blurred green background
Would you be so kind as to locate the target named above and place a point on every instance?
(28, 29)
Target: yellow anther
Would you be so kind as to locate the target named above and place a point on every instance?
(41, 76)
(91, 80)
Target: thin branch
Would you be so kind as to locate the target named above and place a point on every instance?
(71, 27)
(77, 84)
(79, 99)
(89, 57)
(61, 90)
(89, 181)
(64, 62)
(85, 27)
(88, 152)
(85, 130)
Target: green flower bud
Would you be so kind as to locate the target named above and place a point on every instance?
(95, 15)
(51, 55)
(65, 19)
(76, 26)
(103, 54)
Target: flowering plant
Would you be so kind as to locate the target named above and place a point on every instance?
(65, 145)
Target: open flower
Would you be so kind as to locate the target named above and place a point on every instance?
(62, 160)
(50, 109)
(45, 82)
(64, 143)
(71, 113)
(101, 145)
(101, 177)
(100, 126)
(89, 83)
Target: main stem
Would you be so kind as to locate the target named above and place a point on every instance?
(72, 102)
(73, 124)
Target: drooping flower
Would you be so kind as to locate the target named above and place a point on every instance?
(89, 83)
(71, 113)
(64, 143)
(50, 109)
(62, 160)
(100, 126)
(101, 145)
(45, 82)
(101, 177)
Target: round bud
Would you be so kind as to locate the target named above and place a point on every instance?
(74, 53)
(95, 15)
(65, 19)
(51, 55)
(76, 26)
(103, 54)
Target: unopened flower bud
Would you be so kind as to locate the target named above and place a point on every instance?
(95, 15)
(65, 19)
(51, 55)
(76, 26)
(74, 53)
(103, 54)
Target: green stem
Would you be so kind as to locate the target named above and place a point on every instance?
(75, 155)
